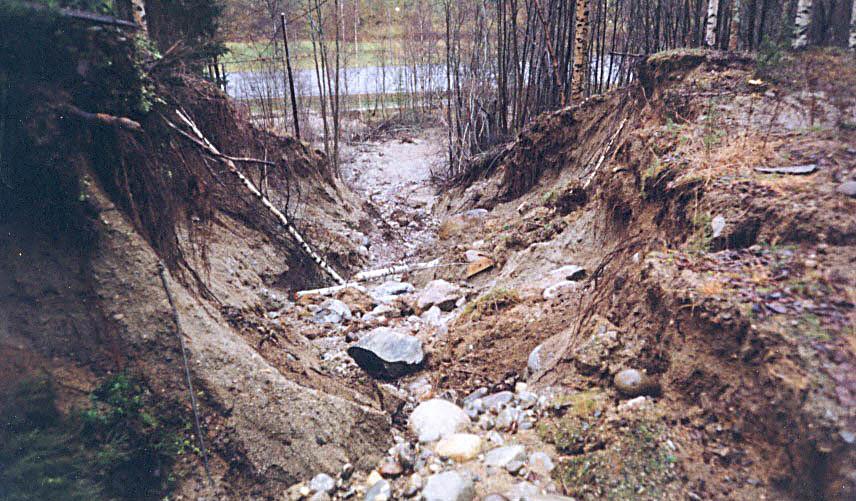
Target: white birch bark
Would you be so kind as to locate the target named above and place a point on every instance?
(579, 75)
(712, 19)
(138, 11)
(394, 270)
(853, 27)
(264, 200)
(801, 24)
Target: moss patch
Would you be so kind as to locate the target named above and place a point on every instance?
(610, 453)
(495, 300)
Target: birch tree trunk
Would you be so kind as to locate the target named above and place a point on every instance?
(801, 24)
(138, 11)
(712, 19)
(581, 40)
(734, 35)
(853, 28)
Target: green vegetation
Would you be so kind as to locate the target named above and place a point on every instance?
(636, 465)
(771, 57)
(100, 6)
(495, 300)
(581, 411)
(608, 459)
(241, 56)
(702, 236)
(39, 458)
(120, 447)
(650, 175)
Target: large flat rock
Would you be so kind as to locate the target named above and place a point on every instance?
(388, 353)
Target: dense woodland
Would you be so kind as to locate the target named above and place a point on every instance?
(484, 68)
(507, 61)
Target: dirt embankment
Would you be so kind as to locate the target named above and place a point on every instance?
(732, 288)
(91, 206)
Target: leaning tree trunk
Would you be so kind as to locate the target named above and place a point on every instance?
(712, 19)
(734, 35)
(581, 39)
(801, 24)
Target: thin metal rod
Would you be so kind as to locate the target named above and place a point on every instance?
(180, 336)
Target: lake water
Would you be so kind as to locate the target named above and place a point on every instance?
(366, 80)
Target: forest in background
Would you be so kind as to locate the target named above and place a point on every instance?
(486, 68)
(483, 68)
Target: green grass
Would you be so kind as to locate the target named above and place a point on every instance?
(358, 55)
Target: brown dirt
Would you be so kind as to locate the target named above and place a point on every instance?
(750, 332)
(90, 213)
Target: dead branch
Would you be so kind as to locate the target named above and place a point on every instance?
(218, 154)
(202, 142)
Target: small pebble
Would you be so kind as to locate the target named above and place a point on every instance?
(514, 466)
(391, 469)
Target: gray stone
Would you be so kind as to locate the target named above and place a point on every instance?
(494, 496)
(380, 491)
(433, 317)
(501, 456)
(522, 490)
(473, 409)
(536, 360)
(405, 454)
(437, 418)
(479, 393)
(449, 486)
(632, 383)
(393, 288)
(322, 483)
(570, 272)
(848, 188)
(792, 169)
(440, 293)
(514, 466)
(507, 418)
(496, 401)
(540, 462)
(545, 497)
(414, 485)
(320, 496)
(486, 422)
(495, 438)
(717, 225)
(332, 311)
(557, 288)
(527, 399)
(387, 353)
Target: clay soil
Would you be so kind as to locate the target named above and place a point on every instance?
(748, 329)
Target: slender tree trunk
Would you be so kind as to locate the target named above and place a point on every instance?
(138, 12)
(581, 40)
(447, 6)
(337, 98)
(712, 19)
(319, 77)
(853, 27)
(801, 24)
(734, 35)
